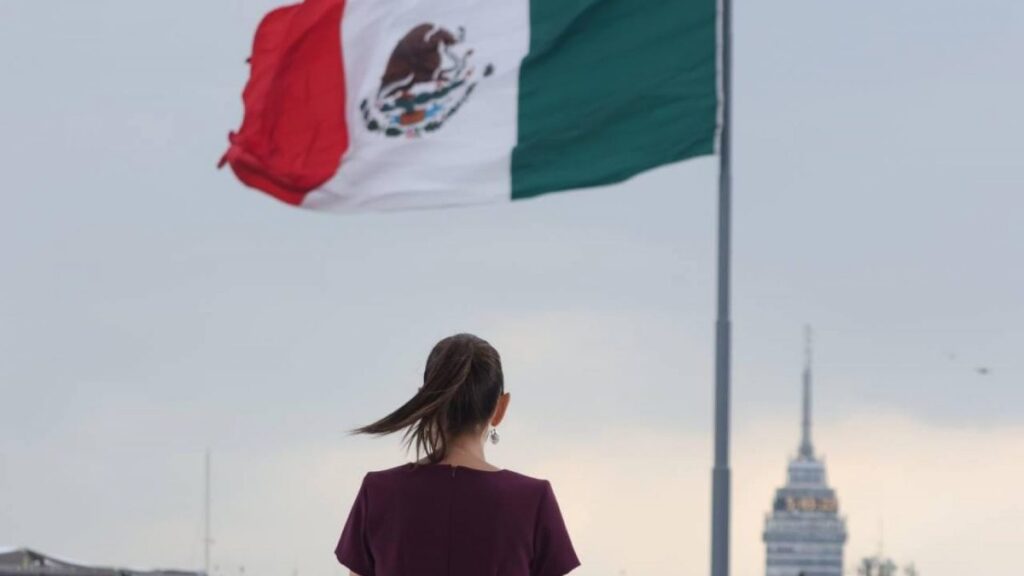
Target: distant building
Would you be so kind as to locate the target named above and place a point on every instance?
(879, 565)
(25, 562)
(804, 534)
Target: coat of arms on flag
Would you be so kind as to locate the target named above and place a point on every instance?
(428, 77)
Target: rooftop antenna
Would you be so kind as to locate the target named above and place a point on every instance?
(806, 448)
(881, 536)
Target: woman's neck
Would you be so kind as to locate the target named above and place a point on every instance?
(470, 450)
(467, 451)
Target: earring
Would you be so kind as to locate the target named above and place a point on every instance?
(494, 436)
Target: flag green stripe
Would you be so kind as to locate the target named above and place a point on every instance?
(610, 88)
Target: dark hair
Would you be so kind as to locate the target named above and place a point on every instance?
(461, 386)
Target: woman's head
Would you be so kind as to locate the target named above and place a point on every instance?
(462, 387)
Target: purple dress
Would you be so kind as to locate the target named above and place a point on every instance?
(444, 520)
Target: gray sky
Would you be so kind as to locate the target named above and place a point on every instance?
(152, 306)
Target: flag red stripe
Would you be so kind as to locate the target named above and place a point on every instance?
(294, 133)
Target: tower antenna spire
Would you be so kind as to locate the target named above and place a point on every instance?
(806, 447)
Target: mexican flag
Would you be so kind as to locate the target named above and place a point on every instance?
(395, 104)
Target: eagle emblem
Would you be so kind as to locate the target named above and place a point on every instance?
(428, 78)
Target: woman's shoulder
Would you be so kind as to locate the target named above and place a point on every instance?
(505, 475)
(525, 479)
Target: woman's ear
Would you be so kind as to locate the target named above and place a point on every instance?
(499, 411)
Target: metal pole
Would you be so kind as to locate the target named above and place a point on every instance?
(206, 519)
(721, 481)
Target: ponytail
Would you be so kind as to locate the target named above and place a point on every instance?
(461, 385)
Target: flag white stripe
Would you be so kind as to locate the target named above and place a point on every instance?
(468, 159)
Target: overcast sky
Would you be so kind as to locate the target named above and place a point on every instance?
(151, 306)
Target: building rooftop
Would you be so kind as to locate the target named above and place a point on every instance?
(28, 562)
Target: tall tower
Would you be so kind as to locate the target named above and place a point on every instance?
(804, 534)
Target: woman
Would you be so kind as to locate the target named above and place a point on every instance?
(452, 513)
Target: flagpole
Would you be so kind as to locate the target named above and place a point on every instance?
(721, 481)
